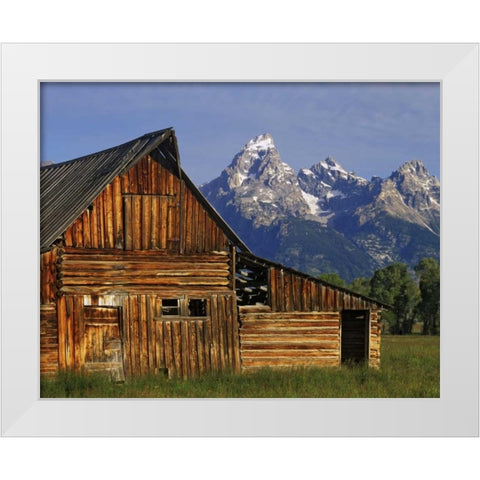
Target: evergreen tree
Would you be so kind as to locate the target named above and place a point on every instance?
(428, 273)
(395, 286)
(360, 285)
(333, 278)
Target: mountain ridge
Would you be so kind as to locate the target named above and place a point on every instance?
(374, 222)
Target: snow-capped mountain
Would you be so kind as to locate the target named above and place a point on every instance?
(420, 191)
(329, 179)
(326, 218)
(257, 185)
(333, 188)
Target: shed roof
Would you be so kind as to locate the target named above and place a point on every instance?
(68, 188)
(268, 263)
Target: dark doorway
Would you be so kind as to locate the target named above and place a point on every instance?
(355, 336)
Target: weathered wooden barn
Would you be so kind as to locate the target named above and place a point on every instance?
(139, 274)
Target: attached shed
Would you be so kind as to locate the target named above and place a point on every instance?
(139, 273)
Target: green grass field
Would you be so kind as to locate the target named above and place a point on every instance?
(410, 368)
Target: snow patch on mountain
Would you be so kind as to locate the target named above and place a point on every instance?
(261, 142)
(306, 171)
(312, 203)
(335, 193)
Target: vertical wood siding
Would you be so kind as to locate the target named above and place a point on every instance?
(48, 279)
(152, 343)
(375, 337)
(298, 293)
(147, 208)
(180, 346)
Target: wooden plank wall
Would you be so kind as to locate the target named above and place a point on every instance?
(183, 346)
(152, 343)
(48, 339)
(48, 279)
(290, 292)
(146, 208)
(290, 339)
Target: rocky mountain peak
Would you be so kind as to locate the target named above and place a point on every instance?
(258, 185)
(331, 172)
(330, 168)
(260, 143)
(417, 187)
(414, 176)
(413, 167)
(258, 160)
(332, 185)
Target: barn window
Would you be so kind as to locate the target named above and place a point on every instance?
(170, 306)
(197, 307)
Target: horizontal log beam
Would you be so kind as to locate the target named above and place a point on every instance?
(249, 309)
(261, 327)
(314, 332)
(289, 362)
(69, 252)
(288, 344)
(286, 353)
(161, 290)
(107, 265)
(158, 281)
(287, 325)
(290, 316)
(102, 276)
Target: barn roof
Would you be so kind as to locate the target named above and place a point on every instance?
(68, 188)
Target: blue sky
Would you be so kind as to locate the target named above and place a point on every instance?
(369, 128)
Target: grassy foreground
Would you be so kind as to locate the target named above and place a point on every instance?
(410, 368)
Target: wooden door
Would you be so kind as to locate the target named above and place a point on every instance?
(103, 344)
(355, 327)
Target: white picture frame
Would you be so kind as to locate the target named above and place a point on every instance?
(455, 66)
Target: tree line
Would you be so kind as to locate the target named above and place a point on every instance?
(413, 295)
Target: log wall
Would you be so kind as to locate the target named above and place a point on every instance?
(48, 312)
(48, 339)
(289, 340)
(95, 271)
(297, 339)
(148, 207)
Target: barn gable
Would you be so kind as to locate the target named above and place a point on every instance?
(68, 189)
